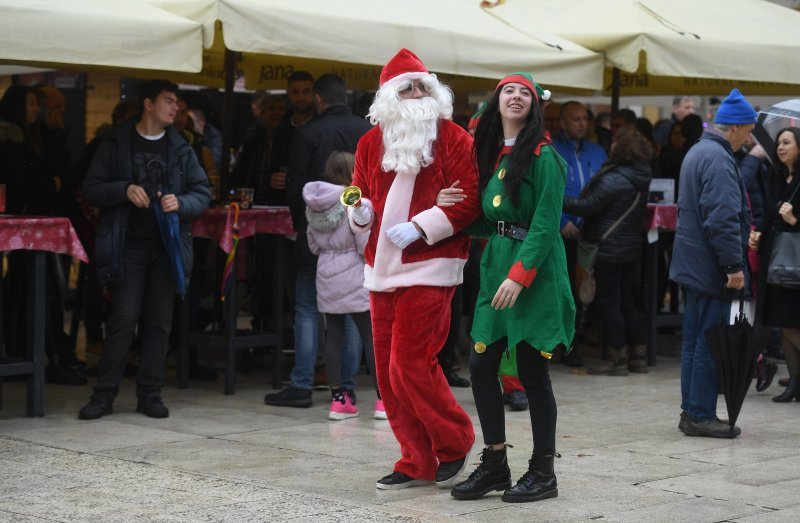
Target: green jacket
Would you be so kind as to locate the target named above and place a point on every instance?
(544, 314)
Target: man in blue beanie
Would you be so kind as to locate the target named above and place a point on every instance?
(709, 256)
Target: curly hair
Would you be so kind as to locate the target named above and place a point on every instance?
(630, 146)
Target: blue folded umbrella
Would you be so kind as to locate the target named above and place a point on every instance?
(169, 226)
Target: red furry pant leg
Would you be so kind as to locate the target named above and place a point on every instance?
(409, 327)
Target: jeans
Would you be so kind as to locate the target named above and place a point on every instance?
(698, 370)
(352, 348)
(307, 333)
(341, 359)
(143, 299)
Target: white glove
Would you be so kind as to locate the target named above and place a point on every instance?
(403, 234)
(361, 215)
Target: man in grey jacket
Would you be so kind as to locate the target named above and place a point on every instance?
(709, 256)
(144, 168)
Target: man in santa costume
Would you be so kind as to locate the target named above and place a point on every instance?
(414, 260)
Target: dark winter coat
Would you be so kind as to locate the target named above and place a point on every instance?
(29, 188)
(608, 195)
(106, 185)
(777, 306)
(713, 219)
(754, 171)
(336, 129)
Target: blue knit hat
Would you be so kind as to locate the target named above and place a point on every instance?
(735, 110)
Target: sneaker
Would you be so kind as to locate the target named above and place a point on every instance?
(682, 422)
(152, 407)
(766, 373)
(709, 428)
(352, 394)
(448, 472)
(289, 397)
(380, 411)
(398, 480)
(342, 407)
(516, 400)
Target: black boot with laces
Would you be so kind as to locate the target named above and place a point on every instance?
(492, 474)
(536, 484)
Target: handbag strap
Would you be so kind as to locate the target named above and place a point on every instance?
(624, 215)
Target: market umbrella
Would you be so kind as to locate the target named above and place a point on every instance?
(735, 349)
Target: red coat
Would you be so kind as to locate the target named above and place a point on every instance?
(438, 258)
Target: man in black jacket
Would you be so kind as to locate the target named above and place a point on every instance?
(141, 165)
(335, 129)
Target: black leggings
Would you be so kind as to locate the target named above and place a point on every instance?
(533, 373)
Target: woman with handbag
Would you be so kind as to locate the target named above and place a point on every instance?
(613, 204)
(524, 299)
(778, 302)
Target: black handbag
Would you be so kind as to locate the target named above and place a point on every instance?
(784, 261)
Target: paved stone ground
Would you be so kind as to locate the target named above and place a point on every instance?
(231, 458)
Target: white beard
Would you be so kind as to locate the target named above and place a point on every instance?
(409, 133)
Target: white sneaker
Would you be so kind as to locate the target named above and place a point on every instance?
(380, 412)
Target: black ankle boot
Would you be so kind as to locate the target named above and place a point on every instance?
(492, 474)
(792, 391)
(537, 484)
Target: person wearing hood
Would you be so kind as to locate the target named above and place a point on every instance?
(340, 283)
(607, 197)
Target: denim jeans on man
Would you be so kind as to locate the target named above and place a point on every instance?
(142, 300)
(306, 333)
(698, 370)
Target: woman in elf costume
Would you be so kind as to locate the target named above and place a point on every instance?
(525, 301)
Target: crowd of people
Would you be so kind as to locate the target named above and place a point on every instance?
(495, 224)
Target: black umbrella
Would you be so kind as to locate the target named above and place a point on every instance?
(735, 349)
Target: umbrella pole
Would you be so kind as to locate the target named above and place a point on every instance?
(227, 122)
(615, 80)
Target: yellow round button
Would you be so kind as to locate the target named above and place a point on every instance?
(497, 200)
(502, 173)
(480, 347)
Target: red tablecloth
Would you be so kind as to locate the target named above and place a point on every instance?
(40, 233)
(218, 224)
(662, 216)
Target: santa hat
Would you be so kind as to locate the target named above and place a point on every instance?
(405, 65)
(735, 110)
(527, 80)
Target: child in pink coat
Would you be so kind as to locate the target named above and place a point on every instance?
(340, 281)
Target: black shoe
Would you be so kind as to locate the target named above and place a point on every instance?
(448, 472)
(152, 407)
(766, 376)
(516, 400)
(709, 428)
(492, 474)
(537, 484)
(792, 391)
(454, 380)
(398, 480)
(97, 407)
(572, 359)
(64, 375)
(682, 422)
(289, 397)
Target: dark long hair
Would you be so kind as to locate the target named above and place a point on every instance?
(13, 106)
(489, 140)
(779, 168)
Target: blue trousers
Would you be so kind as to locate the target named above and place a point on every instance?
(698, 370)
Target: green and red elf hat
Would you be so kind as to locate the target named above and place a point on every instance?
(475, 118)
(527, 80)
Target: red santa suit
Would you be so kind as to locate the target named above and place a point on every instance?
(411, 290)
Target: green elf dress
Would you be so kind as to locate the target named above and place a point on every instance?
(544, 313)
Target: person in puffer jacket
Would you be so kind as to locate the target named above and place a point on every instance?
(340, 282)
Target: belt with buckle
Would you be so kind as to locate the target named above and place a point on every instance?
(512, 231)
